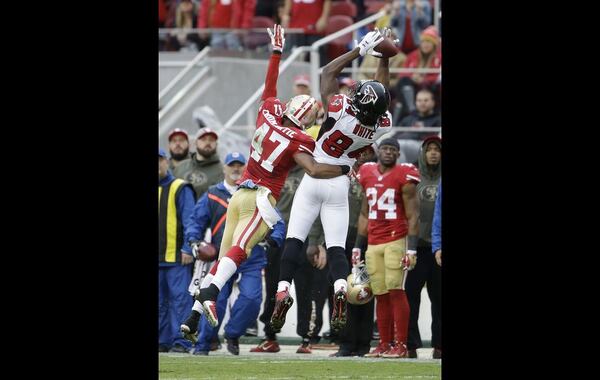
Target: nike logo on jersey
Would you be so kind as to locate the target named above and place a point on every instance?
(363, 132)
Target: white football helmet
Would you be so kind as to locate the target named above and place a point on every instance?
(359, 285)
(302, 111)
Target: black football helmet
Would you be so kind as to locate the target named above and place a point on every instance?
(371, 100)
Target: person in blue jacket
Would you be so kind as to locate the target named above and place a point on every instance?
(436, 231)
(436, 247)
(210, 212)
(175, 206)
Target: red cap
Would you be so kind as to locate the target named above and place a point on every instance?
(347, 81)
(178, 131)
(432, 138)
(206, 131)
(302, 80)
(431, 34)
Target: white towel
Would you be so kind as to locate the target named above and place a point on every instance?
(266, 210)
(201, 268)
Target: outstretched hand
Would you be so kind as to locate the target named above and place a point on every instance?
(277, 37)
(369, 41)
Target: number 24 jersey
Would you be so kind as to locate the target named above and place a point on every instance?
(387, 219)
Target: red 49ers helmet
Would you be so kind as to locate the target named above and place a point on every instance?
(302, 111)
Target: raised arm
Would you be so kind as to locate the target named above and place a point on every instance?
(329, 83)
(318, 170)
(383, 69)
(277, 43)
(383, 72)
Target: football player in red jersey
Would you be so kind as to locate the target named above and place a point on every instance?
(389, 214)
(352, 125)
(279, 143)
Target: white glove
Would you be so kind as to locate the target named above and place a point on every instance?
(277, 37)
(195, 245)
(368, 42)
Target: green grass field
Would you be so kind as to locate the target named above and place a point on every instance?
(261, 367)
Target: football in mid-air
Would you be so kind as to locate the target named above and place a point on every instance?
(206, 251)
(387, 47)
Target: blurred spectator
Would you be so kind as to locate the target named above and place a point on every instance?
(227, 14)
(428, 55)
(436, 247)
(204, 168)
(267, 8)
(243, 13)
(171, 6)
(424, 116)
(426, 271)
(310, 15)
(409, 19)
(179, 147)
(175, 199)
(436, 231)
(371, 62)
(162, 13)
(360, 9)
(301, 85)
(346, 86)
(185, 15)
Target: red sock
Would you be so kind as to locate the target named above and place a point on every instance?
(384, 318)
(213, 270)
(401, 313)
(237, 255)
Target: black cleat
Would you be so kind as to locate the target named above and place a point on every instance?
(233, 345)
(283, 302)
(338, 316)
(189, 328)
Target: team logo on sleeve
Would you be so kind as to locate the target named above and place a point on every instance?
(369, 96)
(428, 193)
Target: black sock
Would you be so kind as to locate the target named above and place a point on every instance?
(290, 259)
(209, 294)
(338, 264)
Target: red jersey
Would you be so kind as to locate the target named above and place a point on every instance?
(273, 147)
(215, 16)
(305, 13)
(387, 220)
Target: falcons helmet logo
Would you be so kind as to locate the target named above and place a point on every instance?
(369, 96)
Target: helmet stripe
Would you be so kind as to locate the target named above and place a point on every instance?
(307, 105)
